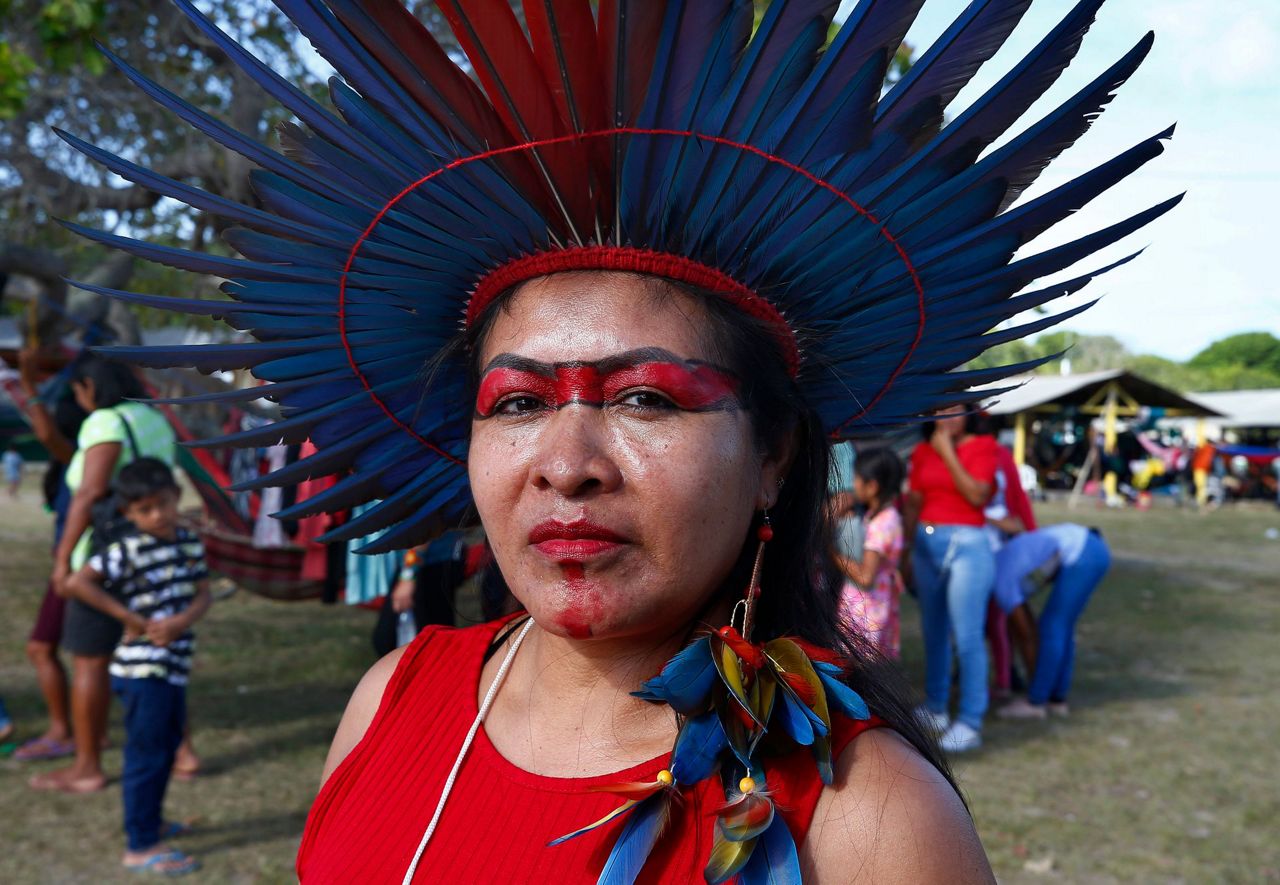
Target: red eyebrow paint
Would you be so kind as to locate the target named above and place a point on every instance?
(690, 386)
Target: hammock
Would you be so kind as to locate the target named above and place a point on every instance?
(271, 572)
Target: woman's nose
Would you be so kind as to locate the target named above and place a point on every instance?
(574, 456)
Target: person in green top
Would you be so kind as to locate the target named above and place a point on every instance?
(117, 431)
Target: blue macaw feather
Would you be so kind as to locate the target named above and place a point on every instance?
(843, 698)
(795, 719)
(646, 821)
(685, 682)
(788, 38)
(775, 860)
(698, 747)
(201, 262)
(1000, 106)
(194, 196)
(944, 69)
(228, 137)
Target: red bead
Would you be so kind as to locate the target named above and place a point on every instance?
(765, 533)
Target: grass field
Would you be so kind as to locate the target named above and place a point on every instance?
(1166, 771)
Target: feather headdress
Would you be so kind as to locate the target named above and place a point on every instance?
(669, 137)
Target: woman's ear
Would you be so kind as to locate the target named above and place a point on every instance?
(775, 468)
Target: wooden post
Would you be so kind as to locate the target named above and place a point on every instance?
(1110, 482)
(1020, 438)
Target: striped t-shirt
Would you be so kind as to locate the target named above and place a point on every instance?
(156, 579)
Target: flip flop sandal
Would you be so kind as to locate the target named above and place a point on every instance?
(39, 749)
(155, 865)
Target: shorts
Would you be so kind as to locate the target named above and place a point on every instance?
(88, 632)
(48, 628)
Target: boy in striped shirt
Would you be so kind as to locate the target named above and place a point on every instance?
(154, 581)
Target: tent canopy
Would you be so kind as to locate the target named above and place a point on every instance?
(1051, 393)
(1243, 408)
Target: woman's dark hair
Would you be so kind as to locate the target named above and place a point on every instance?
(113, 383)
(798, 599)
(882, 466)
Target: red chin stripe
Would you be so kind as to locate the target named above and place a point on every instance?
(642, 261)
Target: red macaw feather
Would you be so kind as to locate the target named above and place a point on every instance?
(612, 815)
(629, 33)
(817, 652)
(748, 818)
(491, 36)
(393, 35)
(634, 790)
(751, 655)
(564, 43)
(788, 657)
(798, 684)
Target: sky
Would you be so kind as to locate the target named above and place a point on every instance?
(1210, 267)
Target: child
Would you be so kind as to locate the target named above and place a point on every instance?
(158, 589)
(869, 600)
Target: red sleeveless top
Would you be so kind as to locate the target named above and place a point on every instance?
(370, 815)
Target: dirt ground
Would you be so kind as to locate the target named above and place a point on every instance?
(1164, 773)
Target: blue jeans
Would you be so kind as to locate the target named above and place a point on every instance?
(155, 713)
(1072, 588)
(955, 571)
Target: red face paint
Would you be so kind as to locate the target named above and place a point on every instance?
(581, 609)
(687, 385)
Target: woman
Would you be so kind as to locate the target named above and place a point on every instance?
(55, 431)
(951, 477)
(619, 527)
(116, 431)
(667, 312)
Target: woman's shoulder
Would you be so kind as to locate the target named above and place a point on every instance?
(101, 426)
(892, 817)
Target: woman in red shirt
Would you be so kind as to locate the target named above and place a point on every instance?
(951, 477)
(616, 468)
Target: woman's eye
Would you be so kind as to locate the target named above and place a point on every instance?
(518, 405)
(645, 399)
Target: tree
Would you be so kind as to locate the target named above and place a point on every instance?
(1248, 350)
(52, 76)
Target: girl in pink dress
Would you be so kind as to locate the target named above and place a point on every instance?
(872, 586)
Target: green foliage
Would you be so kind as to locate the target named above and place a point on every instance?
(1238, 362)
(1247, 350)
(15, 66)
(67, 29)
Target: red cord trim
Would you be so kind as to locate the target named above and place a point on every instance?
(673, 262)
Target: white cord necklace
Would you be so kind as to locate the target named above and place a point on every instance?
(466, 745)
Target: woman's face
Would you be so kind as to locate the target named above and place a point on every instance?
(612, 464)
(951, 420)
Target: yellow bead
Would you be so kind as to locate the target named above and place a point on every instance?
(747, 785)
(666, 778)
